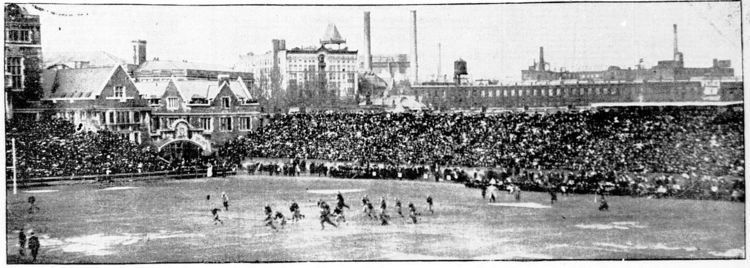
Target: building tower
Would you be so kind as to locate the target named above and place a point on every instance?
(415, 57)
(368, 47)
(139, 52)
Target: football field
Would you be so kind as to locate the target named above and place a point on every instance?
(170, 221)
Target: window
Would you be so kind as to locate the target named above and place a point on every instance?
(225, 102)
(136, 117)
(172, 103)
(123, 117)
(171, 121)
(111, 116)
(15, 68)
(225, 124)
(119, 91)
(205, 123)
(245, 123)
(19, 36)
(154, 101)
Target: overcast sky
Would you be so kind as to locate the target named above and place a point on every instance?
(497, 41)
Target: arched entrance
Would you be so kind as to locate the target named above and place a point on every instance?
(181, 150)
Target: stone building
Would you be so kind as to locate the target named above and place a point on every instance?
(23, 57)
(198, 115)
(94, 99)
(327, 67)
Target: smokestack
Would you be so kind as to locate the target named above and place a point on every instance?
(676, 51)
(139, 52)
(541, 59)
(415, 58)
(368, 51)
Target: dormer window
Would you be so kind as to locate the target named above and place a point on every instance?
(172, 103)
(119, 91)
(225, 102)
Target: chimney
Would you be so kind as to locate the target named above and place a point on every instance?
(415, 58)
(139, 52)
(368, 51)
(223, 78)
(676, 51)
(541, 59)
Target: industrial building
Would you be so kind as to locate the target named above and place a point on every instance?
(664, 70)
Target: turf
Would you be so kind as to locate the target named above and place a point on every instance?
(170, 221)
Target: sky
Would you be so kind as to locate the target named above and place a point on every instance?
(497, 41)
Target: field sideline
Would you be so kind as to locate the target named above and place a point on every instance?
(169, 221)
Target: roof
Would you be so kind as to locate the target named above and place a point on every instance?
(94, 59)
(332, 35)
(75, 83)
(152, 90)
(209, 89)
(181, 65)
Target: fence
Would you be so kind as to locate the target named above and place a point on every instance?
(144, 176)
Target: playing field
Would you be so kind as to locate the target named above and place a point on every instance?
(170, 221)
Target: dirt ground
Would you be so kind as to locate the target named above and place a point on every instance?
(170, 221)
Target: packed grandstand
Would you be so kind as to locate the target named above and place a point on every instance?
(688, 152)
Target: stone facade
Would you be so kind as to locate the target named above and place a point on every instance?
(23, 57)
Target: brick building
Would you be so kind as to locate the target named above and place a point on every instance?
(327, 67)
(94, 99)
(202, 113)
(23, 57)
(663, 70)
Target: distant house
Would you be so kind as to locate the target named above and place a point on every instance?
(94, 99)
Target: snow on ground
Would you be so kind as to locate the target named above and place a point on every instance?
(40, 191)
(101, 244)
(732, 253)
(621, 225)
(521, 205)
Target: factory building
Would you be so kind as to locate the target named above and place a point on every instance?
(664, 70)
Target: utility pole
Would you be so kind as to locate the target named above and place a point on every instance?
(15, 172)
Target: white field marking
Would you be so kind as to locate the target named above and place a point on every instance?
(162, 234)
(645, 247)
(118, 188)
(600, 226)
(514, 255)
(632, 224)
(732, 253)
(40, 191)
(522, 205)
(335, 191)
(620, 225)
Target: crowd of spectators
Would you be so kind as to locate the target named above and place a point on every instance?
(52, 148)
(597, 145)
(696, 148)
(706, 141)
(296, 167)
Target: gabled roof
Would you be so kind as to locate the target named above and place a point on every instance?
(332, 35)
(76, 83)
(181, 65)
(152, 90)
(94, 59)
(209, 89)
